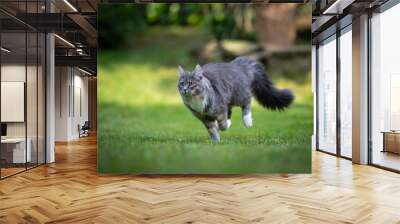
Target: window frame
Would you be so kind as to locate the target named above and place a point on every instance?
(345, 24)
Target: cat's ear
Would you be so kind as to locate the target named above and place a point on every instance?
(180, 70)
(198, 70)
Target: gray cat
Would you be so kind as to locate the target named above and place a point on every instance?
(211, 90)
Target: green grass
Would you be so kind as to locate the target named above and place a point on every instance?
(145, 128)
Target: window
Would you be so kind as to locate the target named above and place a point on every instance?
(385, 88)
(327, 95)
(346, 92)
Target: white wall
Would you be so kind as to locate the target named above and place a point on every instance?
(9, 73)
(71, 93)
(17, 73)
(33, 126)
(62, 82)
(12, 73)
(80, 102)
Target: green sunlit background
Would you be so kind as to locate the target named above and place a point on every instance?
(143, 125)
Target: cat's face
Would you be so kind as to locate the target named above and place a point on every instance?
(191, 83)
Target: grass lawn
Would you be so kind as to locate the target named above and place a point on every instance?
(145, 128)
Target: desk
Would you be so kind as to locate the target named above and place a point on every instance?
(17, 150)
(391, 141)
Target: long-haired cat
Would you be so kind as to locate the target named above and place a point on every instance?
(210, 91)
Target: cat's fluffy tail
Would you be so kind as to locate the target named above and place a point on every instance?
(263, 89)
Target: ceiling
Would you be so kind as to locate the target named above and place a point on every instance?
(73, 21)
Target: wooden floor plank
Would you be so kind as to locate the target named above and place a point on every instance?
(71, 191)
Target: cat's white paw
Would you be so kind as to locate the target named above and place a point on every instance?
(248, 121)
(228, 123)
(216, 125)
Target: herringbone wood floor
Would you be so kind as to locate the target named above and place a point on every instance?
(70, 191)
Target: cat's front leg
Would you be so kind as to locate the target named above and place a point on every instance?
(229, 122)
(246, 113)
(212, 128)
(223, 122)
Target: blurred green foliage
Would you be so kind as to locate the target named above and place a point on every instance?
(222, 24)
(118, 23)
(174, 14)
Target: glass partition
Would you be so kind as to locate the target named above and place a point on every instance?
(327, 95)
(22, 77)
(15, 151)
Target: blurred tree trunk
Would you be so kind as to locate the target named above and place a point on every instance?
(275, 25)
